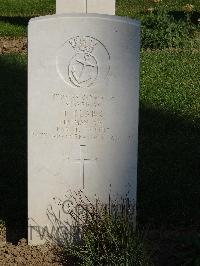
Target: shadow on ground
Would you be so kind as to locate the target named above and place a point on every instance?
(169, 167)
(180, 15)
(13, 146)
(169, 152)
(20, 21)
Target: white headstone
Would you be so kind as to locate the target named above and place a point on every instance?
(70, 6)
(86, 6)
(101, 6)
(83, 97)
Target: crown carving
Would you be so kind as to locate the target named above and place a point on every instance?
(83, 44)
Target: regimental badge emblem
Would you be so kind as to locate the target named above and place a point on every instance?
(83, 70)
(83, 62)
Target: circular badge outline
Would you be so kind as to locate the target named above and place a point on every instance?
(64, 44)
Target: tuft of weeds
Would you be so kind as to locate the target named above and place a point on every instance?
(161, 30)
(103, 234)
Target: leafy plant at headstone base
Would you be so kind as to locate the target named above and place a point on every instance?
(160, 30)
(188, 250)
(106, 234)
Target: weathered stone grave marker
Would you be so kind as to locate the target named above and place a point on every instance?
(85, 6)
(82, 106)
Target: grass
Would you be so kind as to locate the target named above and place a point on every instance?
(169, 144)
(169, 130)
(124, 7)
(162, 30)
(170, 83)
(15, 14)
(135, 7)
(20, 8)
(169, 134)
(10, 30)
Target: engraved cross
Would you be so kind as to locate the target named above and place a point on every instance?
(82, 161)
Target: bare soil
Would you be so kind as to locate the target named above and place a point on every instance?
(23, 254)
(164, 247)
(13, 45)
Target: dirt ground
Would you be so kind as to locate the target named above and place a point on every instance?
(22, 254)
(13, 45)
(162, 247)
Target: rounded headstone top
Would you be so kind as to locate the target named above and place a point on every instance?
(127, 20)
